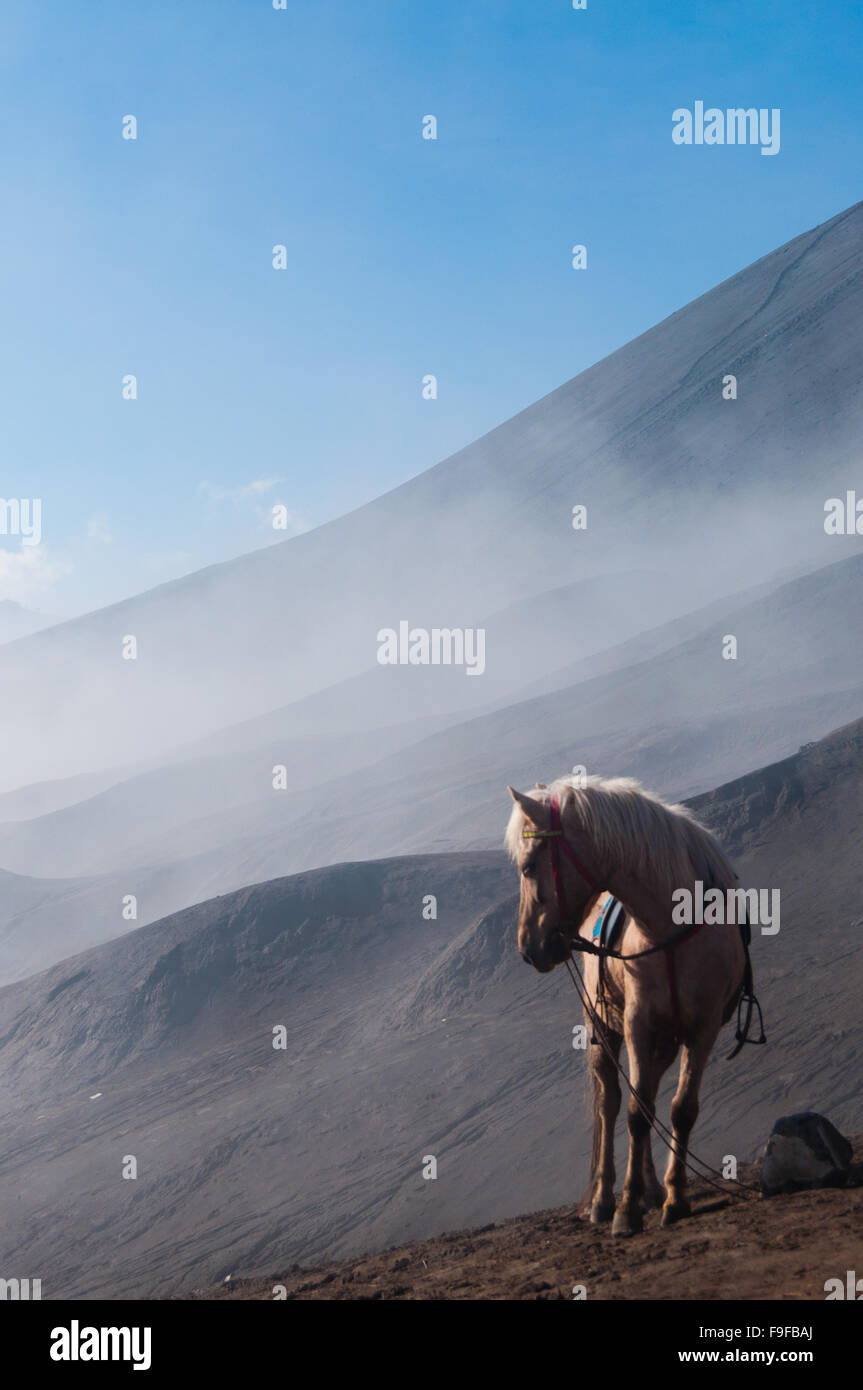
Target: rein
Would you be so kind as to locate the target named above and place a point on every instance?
(746, 1190)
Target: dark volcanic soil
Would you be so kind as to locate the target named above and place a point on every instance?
(752, 1248)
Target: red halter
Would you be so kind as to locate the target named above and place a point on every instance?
(558, 842)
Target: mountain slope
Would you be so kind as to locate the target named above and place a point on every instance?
(220, 774)
(666, 467)
(678, 716)
(680, 720)
(18, 621)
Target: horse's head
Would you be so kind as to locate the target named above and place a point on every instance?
(549, 913)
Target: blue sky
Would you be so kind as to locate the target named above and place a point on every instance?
(405, 256)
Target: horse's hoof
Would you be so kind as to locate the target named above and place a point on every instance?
(627, 1223)
(601, 1212)
(675, 1211)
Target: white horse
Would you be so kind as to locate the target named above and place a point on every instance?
(575, 844)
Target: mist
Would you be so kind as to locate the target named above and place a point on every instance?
(644, 552)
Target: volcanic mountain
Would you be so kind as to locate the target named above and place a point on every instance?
(673, 476)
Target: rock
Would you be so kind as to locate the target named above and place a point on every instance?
(804, 1151)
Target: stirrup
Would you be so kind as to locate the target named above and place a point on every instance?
(742, 1033)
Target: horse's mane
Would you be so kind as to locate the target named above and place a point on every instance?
(627, 824)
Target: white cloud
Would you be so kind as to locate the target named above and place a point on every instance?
(99, 530)
(215, 493)
(27, 573)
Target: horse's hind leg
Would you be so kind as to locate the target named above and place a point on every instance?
(684, 1113)
(606, 1104)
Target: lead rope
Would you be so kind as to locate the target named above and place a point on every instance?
(658, 1127)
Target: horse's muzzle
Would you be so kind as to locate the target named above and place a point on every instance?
(549, 953)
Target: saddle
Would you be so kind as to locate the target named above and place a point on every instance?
(609, 924)
(606, 934)
(607, 931)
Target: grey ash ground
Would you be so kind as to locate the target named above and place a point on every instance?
(783, 1247)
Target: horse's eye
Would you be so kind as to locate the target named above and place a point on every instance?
(527, 871)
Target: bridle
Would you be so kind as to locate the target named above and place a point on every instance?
(579, 943)
(559, 842)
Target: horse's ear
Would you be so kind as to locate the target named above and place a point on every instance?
(534, 811)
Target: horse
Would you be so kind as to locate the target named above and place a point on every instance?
(575, 843)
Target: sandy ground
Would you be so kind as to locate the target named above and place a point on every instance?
(784, 1247)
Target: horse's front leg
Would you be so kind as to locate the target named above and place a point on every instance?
(684, 1113)
(606, 1104)
(646, 1067)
